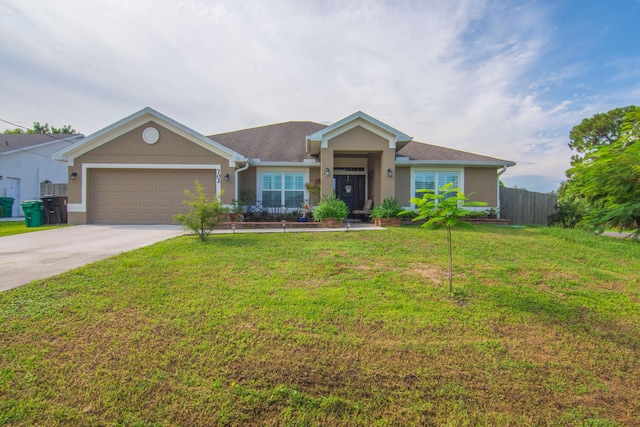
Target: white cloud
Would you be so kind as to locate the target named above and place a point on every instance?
(456, 74)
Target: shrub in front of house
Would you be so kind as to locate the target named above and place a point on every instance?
(331, 208)
(204, 213)
(386, 213)
(389, 208)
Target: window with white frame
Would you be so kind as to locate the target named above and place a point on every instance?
(282, 189)
(433, 181)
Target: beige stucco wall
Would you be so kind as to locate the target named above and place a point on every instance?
(374, 176)
(403, 186)
(77, 218)
(314, 175)
(247, 183)
(326, 182)
(484, 183)
(170, 148)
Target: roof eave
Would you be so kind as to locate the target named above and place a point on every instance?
(44, 144)
(497, 163)
(258, 162)
(313, 147)
(319, 136)
(131, 122)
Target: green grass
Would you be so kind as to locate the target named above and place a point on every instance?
(332, 329)
(9, 228)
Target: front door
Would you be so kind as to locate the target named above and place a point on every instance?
(350, 189)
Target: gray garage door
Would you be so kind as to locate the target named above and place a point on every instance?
(123, 196)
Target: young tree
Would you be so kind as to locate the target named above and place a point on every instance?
(204, 213)
(444, 210)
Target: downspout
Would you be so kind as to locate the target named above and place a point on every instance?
(504, 169)
(235, 187)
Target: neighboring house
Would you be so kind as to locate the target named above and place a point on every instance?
(136, 170)
(25, 162)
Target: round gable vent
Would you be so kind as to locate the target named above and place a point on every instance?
(150, 135)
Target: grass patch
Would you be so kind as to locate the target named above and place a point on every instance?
(332, 329)
(9, 228)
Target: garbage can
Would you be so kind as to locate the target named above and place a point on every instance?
(33, 212)
(6, 207)
(55, 209)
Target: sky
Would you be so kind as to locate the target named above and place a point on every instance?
(503, 78)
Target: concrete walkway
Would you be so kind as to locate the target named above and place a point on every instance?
(622, 235)
(346, 227)
(41, 254)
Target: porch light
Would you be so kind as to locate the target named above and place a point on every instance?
(389, 172)
(327, 172)
(73, 176)
(226, 178)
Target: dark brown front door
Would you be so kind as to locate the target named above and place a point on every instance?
(350, 189)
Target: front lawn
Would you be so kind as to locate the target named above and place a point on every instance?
(8, 228)
(333, 329)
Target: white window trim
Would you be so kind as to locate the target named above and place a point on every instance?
(459, 171)
(262, 170)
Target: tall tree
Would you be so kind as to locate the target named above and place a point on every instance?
(607, 179)
(16, 131)
(597, 131)
(43, 129)
(64, 130)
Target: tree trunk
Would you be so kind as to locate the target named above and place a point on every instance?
(450, 261)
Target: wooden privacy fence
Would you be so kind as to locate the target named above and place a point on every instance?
(51, 189)
(526, 207)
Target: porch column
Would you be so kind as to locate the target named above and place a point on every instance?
(326, 182)
(388, 183)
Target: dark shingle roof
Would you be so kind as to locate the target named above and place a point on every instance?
(282, 142)
(12, 142)
(422, 151)
(286, 142)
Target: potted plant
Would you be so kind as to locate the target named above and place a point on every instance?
(331, 212)
(386, 214)
(492, 213)
(236, 211)
(305, 211)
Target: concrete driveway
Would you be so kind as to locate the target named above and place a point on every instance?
(38, 255)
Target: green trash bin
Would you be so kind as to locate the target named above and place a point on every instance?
(6, 206)
(33, 212)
